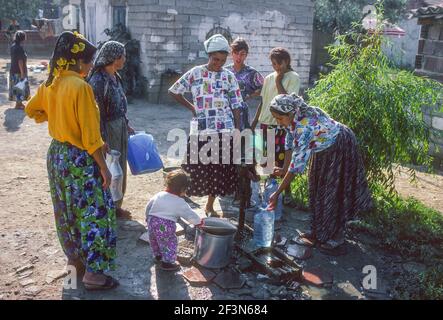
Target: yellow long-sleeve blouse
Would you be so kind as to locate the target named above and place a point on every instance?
(69, 107)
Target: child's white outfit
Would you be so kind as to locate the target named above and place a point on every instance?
(162, 214)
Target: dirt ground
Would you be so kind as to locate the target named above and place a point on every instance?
(28, 238)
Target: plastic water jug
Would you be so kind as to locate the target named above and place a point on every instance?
(271, 186)
(112, 161)
(263, 228)
(143, 156)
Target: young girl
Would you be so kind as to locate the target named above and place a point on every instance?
(283, 81)
(162, 213)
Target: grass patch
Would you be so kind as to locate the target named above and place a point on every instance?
(403, 226)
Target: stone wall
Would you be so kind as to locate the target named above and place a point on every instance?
(172, 32)
(430, 63)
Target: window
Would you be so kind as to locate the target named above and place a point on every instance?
(118, 15)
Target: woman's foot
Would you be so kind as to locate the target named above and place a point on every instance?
(333, 248)
(99, 281)
(123, 214)
(166, 266)
(78, 265)
(304, 239)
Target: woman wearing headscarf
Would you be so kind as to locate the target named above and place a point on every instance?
(216, 108)
(338, 189)
(18, 71)
(78, 176)
(111, 99)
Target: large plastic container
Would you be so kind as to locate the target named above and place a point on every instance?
(143, 156)
(271, 186)
(263, 228)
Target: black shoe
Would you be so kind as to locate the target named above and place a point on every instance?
(170, 266)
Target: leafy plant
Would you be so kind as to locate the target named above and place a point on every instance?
(339, 15)
(380, 103)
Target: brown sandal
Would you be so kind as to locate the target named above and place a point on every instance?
(109, 284)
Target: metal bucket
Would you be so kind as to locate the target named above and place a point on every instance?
(214, 243)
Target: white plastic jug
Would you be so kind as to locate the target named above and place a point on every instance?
(112, 161)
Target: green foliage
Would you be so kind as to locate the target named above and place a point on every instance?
(339, 15)
(405, 226)
(20, 9)
(427, 285)
(380, 103)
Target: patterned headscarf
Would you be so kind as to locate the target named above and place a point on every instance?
(69, 49)
(289, 104)
(216, 43)
(109, 52)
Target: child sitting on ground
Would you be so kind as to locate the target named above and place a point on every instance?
(162, 213)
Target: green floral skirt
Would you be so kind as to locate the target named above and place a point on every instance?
(84, 213)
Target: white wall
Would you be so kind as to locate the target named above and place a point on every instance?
(404, 49)
(103, 18)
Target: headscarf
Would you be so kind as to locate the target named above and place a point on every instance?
(69, 49)
(287, 104)
(216, 43)
(109, 52)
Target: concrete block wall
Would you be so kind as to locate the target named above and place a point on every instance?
(172, 32)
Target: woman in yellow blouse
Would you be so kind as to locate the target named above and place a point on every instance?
(78, 175)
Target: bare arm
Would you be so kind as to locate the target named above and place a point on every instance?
(278, 83)
(183, 101)
(99, 158)
(21, 65)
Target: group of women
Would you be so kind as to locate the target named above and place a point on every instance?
(86, 118)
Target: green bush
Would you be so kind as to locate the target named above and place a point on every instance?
(380, 103)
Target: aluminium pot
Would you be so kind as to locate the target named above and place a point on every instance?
(214, 243)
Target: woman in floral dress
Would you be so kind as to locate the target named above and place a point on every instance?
(216, 109)
(78, 176)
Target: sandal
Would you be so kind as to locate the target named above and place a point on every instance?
(109, 284)
(304, 239)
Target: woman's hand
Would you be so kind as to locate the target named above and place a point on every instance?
(106, 148)
(107, 177)
(279, 172)
(131, 130)
(279, 77)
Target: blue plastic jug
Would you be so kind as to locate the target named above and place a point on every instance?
(143, 156)
(263, 228)
(271, 186)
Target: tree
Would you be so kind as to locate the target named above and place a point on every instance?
(337, 16)
(380, 103)
(20, 9)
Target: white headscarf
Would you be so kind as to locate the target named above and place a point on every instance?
(216, 43)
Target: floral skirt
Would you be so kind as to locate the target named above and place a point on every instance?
(14, 95)
(210, 179)
(338, 188)
(85, 215)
